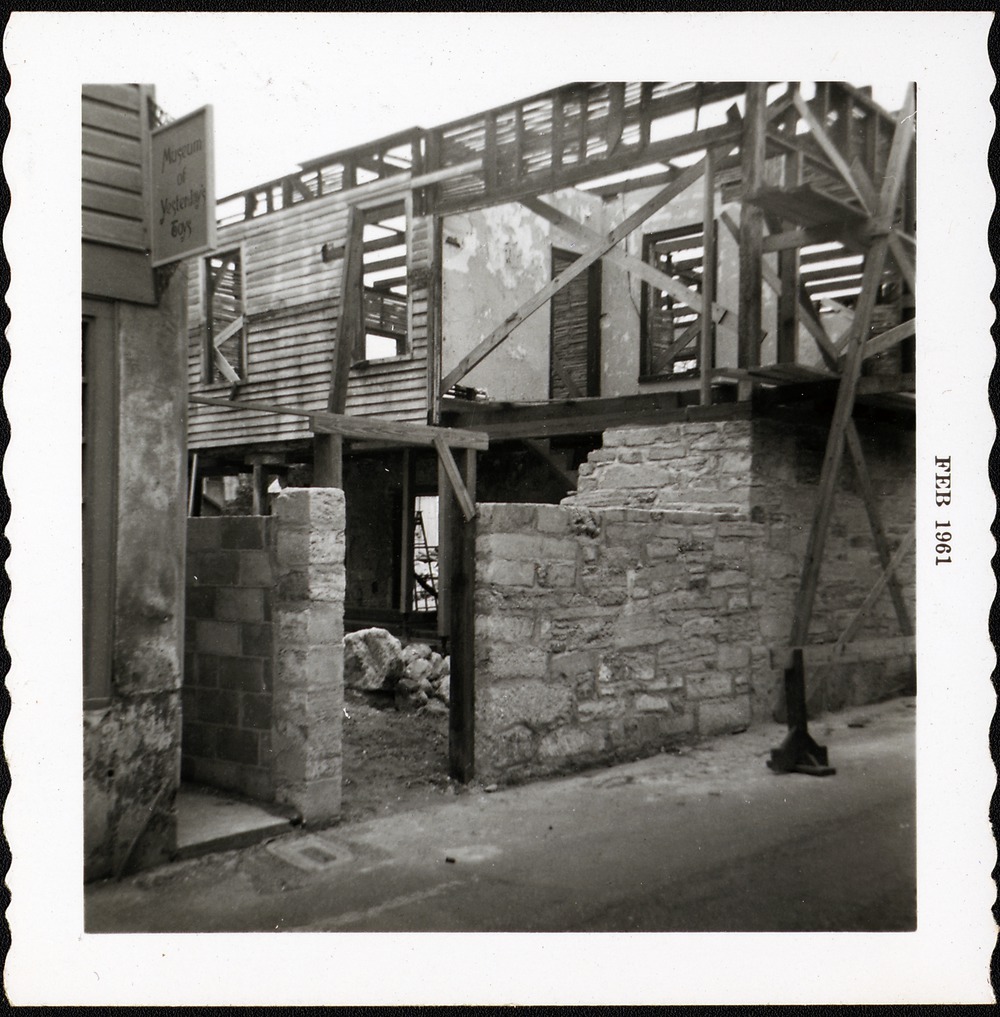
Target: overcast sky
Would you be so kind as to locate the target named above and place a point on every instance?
(288, 88)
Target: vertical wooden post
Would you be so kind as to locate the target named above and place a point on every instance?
(751, 229)
(328, 460)
(406, 557)
(350, 322)
(491, 168)
(259, 490)
(462, 612)
(557, 131)
(788, 265)
(706, 359)
(447, 507)
(194, 487)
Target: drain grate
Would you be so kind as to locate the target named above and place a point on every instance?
(310, 854)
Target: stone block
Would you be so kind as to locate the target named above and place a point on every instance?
(241, 673)
(292, 547)
(505, 517)
(242, 532)
(504, 627)
(326, 582)
(534, 704)
(720, 716)
(710, 685)
(567, 744)
(237, 745)
(645, 703)
(557, 575)
(203, 534)
(219, 638)
(316, 801)
(734, 657)
(291, 507)
(599, 709)
(552, 519)
(326, 547)
(199, 602)
(325, 623)
(506, 573)
(327, 509)
(666, 453)
(213, 568)
(236, 604)
(256, 710)
(197, 739)
(727, 577)
(498, 751)
(219, 706)
(255, 568)
(512, 660)
(257, 639)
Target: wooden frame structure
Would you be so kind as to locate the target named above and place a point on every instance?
(825, 190)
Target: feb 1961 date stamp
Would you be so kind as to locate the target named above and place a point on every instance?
(942, 500)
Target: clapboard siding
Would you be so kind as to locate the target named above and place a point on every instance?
(114, 211)
(292, 305)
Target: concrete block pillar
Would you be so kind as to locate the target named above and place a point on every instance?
(309, 666)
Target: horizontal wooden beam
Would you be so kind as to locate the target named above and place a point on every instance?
(851, 238)
(628, 159)
(592, 416)
(360, 428)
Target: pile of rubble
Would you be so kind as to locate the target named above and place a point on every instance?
(413, 677)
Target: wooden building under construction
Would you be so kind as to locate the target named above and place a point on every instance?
(464, 314)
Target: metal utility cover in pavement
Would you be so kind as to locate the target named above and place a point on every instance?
(310, 853)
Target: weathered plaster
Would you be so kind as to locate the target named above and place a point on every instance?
(132, 745)
(493, 260)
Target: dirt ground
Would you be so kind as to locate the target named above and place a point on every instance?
(393, 761)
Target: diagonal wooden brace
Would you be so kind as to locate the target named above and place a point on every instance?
(462, 495)
(568, 274)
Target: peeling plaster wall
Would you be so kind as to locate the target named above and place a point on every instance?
(492, 261)
(132, 745)
(622, 294)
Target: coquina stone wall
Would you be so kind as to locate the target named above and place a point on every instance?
(606, 629)
(263, 685)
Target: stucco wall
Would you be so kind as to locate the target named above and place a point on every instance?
(492, 261)
(132, 745)
(606, 629)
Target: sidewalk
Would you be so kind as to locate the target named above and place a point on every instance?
(707, 839)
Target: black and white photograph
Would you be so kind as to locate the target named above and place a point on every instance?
(477, 474)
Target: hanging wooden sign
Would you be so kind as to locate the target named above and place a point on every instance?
(182, 188)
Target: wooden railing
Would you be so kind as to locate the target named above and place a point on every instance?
(339, 171)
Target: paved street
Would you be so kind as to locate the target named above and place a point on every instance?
(704, 840)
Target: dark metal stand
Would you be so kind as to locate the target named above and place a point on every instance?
(798, 753)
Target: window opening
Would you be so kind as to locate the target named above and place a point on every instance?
(225, 320)
(669, 329)
(385, 285)
(425, 553)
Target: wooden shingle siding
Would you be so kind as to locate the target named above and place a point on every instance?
(292, 304)
(113, 210)
(113, 206)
